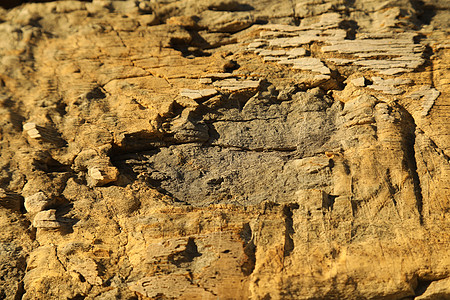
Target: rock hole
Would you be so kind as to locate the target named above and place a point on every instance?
(427, 13)
(331, 199)
(422, 286)
(96, 93)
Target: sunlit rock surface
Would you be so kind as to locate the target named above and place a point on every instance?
(225, 150)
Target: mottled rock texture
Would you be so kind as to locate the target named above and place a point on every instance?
(200, 149)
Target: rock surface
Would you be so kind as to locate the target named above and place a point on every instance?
(225, 150)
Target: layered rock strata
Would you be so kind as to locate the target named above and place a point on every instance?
(225, 150)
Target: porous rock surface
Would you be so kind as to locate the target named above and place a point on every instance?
(181, 149)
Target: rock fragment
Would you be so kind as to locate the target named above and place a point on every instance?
(389, 86)
(311, 64)
(198, 94)
(296, 52)
(42, 133)
(205, 80)
(307, 64)
(32, 130)
(371, 53)
(37, 202)
(234, 85)
(101, 175)
(359, 82)
(272, 52)
(99, 169)
(46, 220)
(256, 44)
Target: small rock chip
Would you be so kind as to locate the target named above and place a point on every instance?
(98, 176)
(389, 86)
(46, 220)
(205, 80)
(360, 81)
(32, 130)
(296, 52)
(235, 85)
(271, 58)
(272, 52)
(218, 75)
(198, 94)
(42, 133)
(256, 44)
(308, 64)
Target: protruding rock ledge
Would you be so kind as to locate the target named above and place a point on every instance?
(234, 85)
(198, 94)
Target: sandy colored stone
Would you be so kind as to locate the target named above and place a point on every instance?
(46, 220)
(37, 202)
(224, 149)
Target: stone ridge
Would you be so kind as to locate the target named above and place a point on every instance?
(225, 150)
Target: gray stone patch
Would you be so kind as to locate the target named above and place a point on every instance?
(266, 150)
(428, 95)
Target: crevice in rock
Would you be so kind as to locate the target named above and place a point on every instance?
(422, 286)
(59, 260)
(20, 291)
(248, 266)
(410, 162)
(330, 203)
(289, 227)
(297, 20)
(392, 189)
(194, 47)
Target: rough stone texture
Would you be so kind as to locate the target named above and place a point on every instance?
(228, 149)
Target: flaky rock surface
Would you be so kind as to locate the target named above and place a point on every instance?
(242, 149)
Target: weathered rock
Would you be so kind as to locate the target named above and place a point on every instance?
(198, 94)
(234, 85)
(360, 82)
(439, 289)
(224, 149)
(10, 200)
(428, 96)
(46, 220)
(37, 202)
(101, 175)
